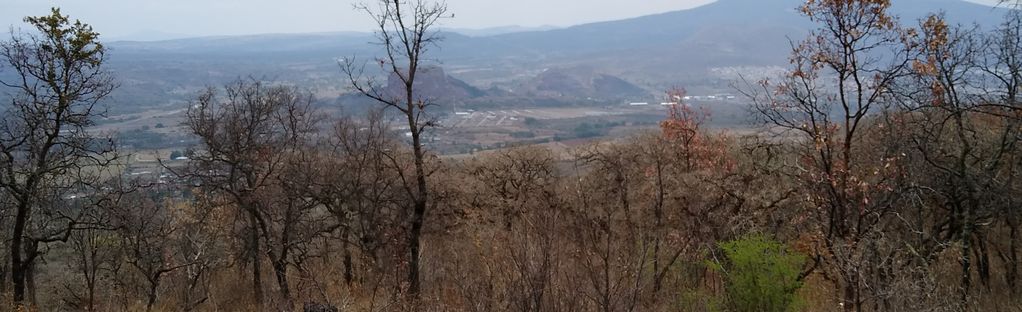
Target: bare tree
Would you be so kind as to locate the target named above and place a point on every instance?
(248, 139)
(299, 220)
(44, 146)
(95, 254)
(603, 227)
(359, 186)
(842, 76)
(967, 143)
(944, 114)
(1002, 63)
(146, 227)
(1010, 3)
(201, 242)
(406, 32)
(517, 191)
(519, 179)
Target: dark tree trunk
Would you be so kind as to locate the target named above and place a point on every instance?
(658, 216)
(1012, 272)
(419, 208)
(90, 284)
(348, 270)
(92, 296)
(983, 267)
(17, 265)
(851, 293)
(3, 278)
(414, 245)
(154, 285)
(257, 278)
(280, 270)
(17, 278)
(30, 283)
(966, 274)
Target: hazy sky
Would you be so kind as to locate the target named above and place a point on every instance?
(131, 18)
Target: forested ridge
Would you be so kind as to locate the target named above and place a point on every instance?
(881, 173)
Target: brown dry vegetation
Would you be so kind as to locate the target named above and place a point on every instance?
(882, 167)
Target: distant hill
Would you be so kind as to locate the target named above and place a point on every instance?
(434, 83)
(493, 31)
(688, 47)
(149, 35)
(578, 83)
(750, 30)
(663, 31)
(555, 86)
(732, 21)
(722, 33)
(336, 42)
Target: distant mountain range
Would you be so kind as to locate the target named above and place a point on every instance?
(722, 33)
(500, 30)
(149, 35)
(552, 85)
(621, 58)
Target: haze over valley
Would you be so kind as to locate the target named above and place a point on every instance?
(528, 156)
(593, 69)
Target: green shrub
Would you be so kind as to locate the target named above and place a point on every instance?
(761, 274)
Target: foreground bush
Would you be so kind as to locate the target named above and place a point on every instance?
(761, 274)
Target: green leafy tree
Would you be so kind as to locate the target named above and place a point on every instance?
(761, 274)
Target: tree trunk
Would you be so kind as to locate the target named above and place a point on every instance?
(414, 245)
(1013, 257)
(17, 239)
(92, 298)
(983, 257)
(30, 284)
(851, 293)
(280, 270)
(419, 211)
(91, 288)
(151, 295)
(257, 278)
(3, 278)
(348, 270)
(17, 278)
(658, 215)
(966, 276)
